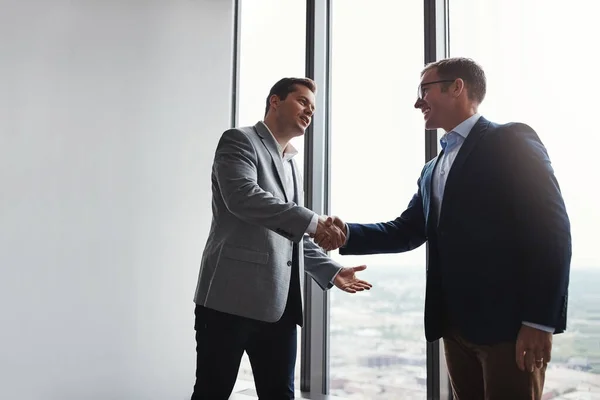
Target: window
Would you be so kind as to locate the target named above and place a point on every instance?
(273, 43)
(377, 342)
(534, 54)
(272, 46)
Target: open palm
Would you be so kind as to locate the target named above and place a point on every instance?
(347, 280)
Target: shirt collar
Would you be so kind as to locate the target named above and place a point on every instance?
(465, 127)
(289, 152)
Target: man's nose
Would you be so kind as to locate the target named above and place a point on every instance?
(418, 103)
(309, 111)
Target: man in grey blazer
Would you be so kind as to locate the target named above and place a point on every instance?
(249, 293)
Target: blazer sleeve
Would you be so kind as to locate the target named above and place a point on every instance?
(235, 171)
(319, 265)
(544, 232)
(407, 232)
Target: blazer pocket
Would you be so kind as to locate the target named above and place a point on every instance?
(237, 253)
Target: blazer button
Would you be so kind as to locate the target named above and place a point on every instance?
(289, 263)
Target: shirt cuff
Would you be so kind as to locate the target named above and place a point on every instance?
(347, 234)
(312, 227)
(540, 327)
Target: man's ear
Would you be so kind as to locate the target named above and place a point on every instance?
(274, 101)
(459, 87)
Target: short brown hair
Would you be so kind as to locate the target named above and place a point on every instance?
(464, 68)
(286, 86)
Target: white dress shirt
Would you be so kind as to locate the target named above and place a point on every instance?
(287, 155)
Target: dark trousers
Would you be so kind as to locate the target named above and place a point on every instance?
(222, 338)
(479, 372)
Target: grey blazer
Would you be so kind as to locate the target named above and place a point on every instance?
(246, 264)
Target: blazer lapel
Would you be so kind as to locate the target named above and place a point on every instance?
(297, 198)
(463, 154)
(427, 188)
(271, 145)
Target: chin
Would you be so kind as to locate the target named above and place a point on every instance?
(300, 130)
(431, 125)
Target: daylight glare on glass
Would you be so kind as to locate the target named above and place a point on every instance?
(536, 58)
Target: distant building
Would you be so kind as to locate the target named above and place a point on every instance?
(387, 360)
(579, 364)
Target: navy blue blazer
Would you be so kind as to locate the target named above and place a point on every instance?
(500, 251)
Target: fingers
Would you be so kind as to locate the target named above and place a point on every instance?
(362, 285)
(533, 348)
(322, 239)
(542, 356)
(529, 360)
(520, 354)
(532, 358)
(349, 289)
(547, 354)
(322, 226)
(366, 285)
(329, 243)
(538, 359)
(340, 224)
(338, 237)
(359, 283)
(329, 236)
(356, 287)
(547, 350)
(347, 281)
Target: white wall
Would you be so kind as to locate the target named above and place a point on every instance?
(109, 114)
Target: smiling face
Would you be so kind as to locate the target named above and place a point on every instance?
(435, 101)
(294, 113)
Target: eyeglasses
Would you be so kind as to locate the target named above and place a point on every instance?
(420, 88)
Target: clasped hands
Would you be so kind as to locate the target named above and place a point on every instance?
(331, 233)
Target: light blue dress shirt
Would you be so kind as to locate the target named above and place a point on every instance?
(451, 143)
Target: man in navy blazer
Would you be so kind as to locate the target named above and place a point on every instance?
(499, 239)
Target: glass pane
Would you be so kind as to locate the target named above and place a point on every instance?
(378, 347)
(537, 74)
(272, 46)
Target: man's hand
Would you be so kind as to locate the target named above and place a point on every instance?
(534, 348)
(347, 281)
(324, 240)
(328, 235)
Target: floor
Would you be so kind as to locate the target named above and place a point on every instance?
(244, 390)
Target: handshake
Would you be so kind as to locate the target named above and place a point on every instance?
(331, 233)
